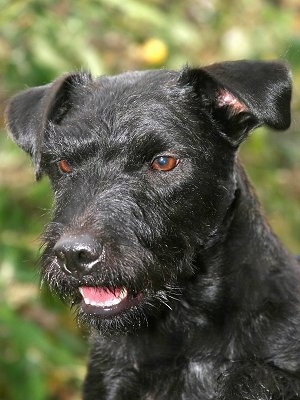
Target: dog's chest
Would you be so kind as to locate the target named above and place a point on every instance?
(191, 380)
(160, 372)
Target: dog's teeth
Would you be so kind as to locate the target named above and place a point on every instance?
(103, 304)
(123, 294)
(118, 296)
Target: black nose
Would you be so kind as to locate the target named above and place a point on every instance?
(78, 253)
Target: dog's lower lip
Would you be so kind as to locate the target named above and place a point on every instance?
(107, 302)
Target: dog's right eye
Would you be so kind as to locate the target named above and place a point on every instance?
(164, 163)
(64, 167)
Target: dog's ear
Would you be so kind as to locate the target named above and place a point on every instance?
(30, 112)
(242, 95)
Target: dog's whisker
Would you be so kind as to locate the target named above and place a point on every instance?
(166, 304)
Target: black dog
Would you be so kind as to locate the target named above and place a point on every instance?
(157, 236)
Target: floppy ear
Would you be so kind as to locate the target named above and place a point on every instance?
(242, 95)
(29, 113)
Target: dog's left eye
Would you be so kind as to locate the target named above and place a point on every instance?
(164, 163)
(64, 166)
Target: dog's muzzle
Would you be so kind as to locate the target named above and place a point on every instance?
(78, 255)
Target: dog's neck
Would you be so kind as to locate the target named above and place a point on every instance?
(249, 233)
(248, 256)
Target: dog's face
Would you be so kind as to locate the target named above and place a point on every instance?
(142, 167)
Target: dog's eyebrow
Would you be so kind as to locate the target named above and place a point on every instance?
(80, 152)
(58, 144)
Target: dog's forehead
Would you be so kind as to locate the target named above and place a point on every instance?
(131, 93)
(124, 108)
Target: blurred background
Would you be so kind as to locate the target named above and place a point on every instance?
(42, 351)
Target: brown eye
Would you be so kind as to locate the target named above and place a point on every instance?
(164, 163)
(64, 166)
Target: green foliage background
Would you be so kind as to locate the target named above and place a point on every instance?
(42, 351)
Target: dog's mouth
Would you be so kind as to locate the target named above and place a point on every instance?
(107, 302)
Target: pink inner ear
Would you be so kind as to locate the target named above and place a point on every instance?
(227, 99)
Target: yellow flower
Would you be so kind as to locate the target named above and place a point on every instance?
(154, 51)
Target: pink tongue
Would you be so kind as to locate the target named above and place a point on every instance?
(100, 295)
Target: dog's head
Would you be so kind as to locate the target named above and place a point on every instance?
(142, 166)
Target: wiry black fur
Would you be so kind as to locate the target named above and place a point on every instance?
(216, 296)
